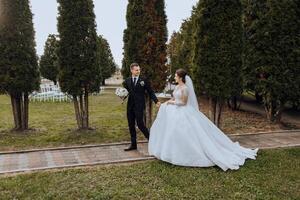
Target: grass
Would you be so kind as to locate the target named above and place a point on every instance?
(53, 124)
(274, 175)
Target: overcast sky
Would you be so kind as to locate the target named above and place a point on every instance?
(110, 19)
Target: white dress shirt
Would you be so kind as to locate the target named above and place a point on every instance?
(137, 78)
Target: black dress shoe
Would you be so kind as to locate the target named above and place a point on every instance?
(130, 148)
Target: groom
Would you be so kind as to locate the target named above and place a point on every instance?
(137, 86)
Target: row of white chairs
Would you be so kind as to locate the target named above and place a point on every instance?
(53, 97)
(50, 96)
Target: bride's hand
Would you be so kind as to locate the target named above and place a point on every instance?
(170, 102)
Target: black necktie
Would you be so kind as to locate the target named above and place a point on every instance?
(134, 81)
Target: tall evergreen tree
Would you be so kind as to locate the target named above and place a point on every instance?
(19, 74)
(106, 60)
(180, 48)
(272, 32)
(253, 19)
(134, 35)
(185, 45)
(172, 52)
(154, 62)
(49, 61)
(182, 44)
(155, 49)
(145, 43)
(79, 64)
(218, 45)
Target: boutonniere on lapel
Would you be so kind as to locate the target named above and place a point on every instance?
(142, 83)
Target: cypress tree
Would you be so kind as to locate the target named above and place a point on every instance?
(145, 43)
(79, 72)
(106, 60)
(134, 35)
(49, 61)
(155, 49)
(180, 48)
(218, 45)
(172, 52)
(272, 38)
(183, 45)
(19, 74)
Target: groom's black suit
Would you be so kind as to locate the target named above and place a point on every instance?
(136, 105)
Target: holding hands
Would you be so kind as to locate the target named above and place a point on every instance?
(171, 101)
(158, 104)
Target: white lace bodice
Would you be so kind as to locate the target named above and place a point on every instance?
(179, 94)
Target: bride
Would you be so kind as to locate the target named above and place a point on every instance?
(182, 135)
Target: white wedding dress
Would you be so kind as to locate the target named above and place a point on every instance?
(184, 136)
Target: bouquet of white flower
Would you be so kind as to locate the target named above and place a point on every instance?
(122, 93)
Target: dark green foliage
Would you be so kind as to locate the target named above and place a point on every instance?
(154, 48)
(106, 60)
(218, 52)
(181, 46)
(134, 35)
(49, 61)
(77, 52)
(272, 54)
(145, 40)
(218, 44)
(18, 61)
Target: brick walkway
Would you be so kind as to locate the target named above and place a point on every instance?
(40, 159)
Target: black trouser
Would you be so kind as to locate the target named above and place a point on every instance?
(137, 115)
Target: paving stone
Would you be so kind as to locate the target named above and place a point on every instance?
(11, 162)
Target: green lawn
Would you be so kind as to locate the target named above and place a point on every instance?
(274, 175)
(54, 124)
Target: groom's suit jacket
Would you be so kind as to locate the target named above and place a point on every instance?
(136, 97)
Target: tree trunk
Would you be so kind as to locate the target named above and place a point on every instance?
(258, 97)
(22, 112)
(77, 112)
(20, 109)
(19, 112)
(215, 110)
(82, 110)
(25, 104)
(81, 105)
(85, 111)
(274, 111)
(212, 109)
(103, 82)
(232, 103)
(270, 110)
(14, 110)
(82, 113)
(278, 114)
(148, 113)
(219, 106)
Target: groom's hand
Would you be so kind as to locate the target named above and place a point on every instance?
(158, 104)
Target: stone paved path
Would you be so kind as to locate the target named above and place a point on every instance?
(40, 159)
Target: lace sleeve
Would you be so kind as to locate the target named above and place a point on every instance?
(185, 92)
(183, 98)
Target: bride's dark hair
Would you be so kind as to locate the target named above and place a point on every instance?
(181, 73)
